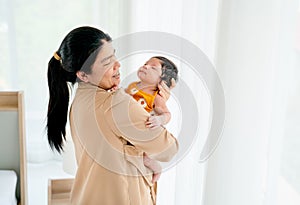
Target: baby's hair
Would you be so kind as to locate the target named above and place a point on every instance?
(169, 70)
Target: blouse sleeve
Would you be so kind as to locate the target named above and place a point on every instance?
(128, 121)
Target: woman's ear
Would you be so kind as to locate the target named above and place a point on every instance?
(82, 76)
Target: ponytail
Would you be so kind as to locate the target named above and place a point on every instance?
(74, 50)
(58, 104)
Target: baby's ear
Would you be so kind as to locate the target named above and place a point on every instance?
(82, 76)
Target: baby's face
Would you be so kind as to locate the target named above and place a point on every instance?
(150, 73)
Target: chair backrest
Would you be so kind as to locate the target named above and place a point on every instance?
(12, 140)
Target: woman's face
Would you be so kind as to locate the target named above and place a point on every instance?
(150, 73)
(105, 70)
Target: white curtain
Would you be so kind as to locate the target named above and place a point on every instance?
(258, 63)
(253, 47)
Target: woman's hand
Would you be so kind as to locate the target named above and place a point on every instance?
(154, 166)
(164, 90)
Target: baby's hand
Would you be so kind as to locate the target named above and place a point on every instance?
(115, 87)
(155, 121)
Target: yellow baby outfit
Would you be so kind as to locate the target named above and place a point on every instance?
(145, 99)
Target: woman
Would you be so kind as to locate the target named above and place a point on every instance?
(107, 125)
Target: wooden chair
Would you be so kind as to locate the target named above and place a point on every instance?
(12, 140)
(59, 191)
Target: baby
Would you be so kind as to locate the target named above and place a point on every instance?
(146, 91)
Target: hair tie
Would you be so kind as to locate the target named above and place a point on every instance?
(56, 56)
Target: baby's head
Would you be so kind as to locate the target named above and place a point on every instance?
(158, 69)
(169, 70)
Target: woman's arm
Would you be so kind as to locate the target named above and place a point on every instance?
(128, 121)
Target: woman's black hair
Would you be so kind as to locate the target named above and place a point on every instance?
(74, 50)
(169, 70)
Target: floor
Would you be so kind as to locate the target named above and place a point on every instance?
(38, 175)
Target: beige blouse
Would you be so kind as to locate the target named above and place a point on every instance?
(110, 137)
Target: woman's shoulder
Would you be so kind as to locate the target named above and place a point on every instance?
(121, 98)
(120, 95)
